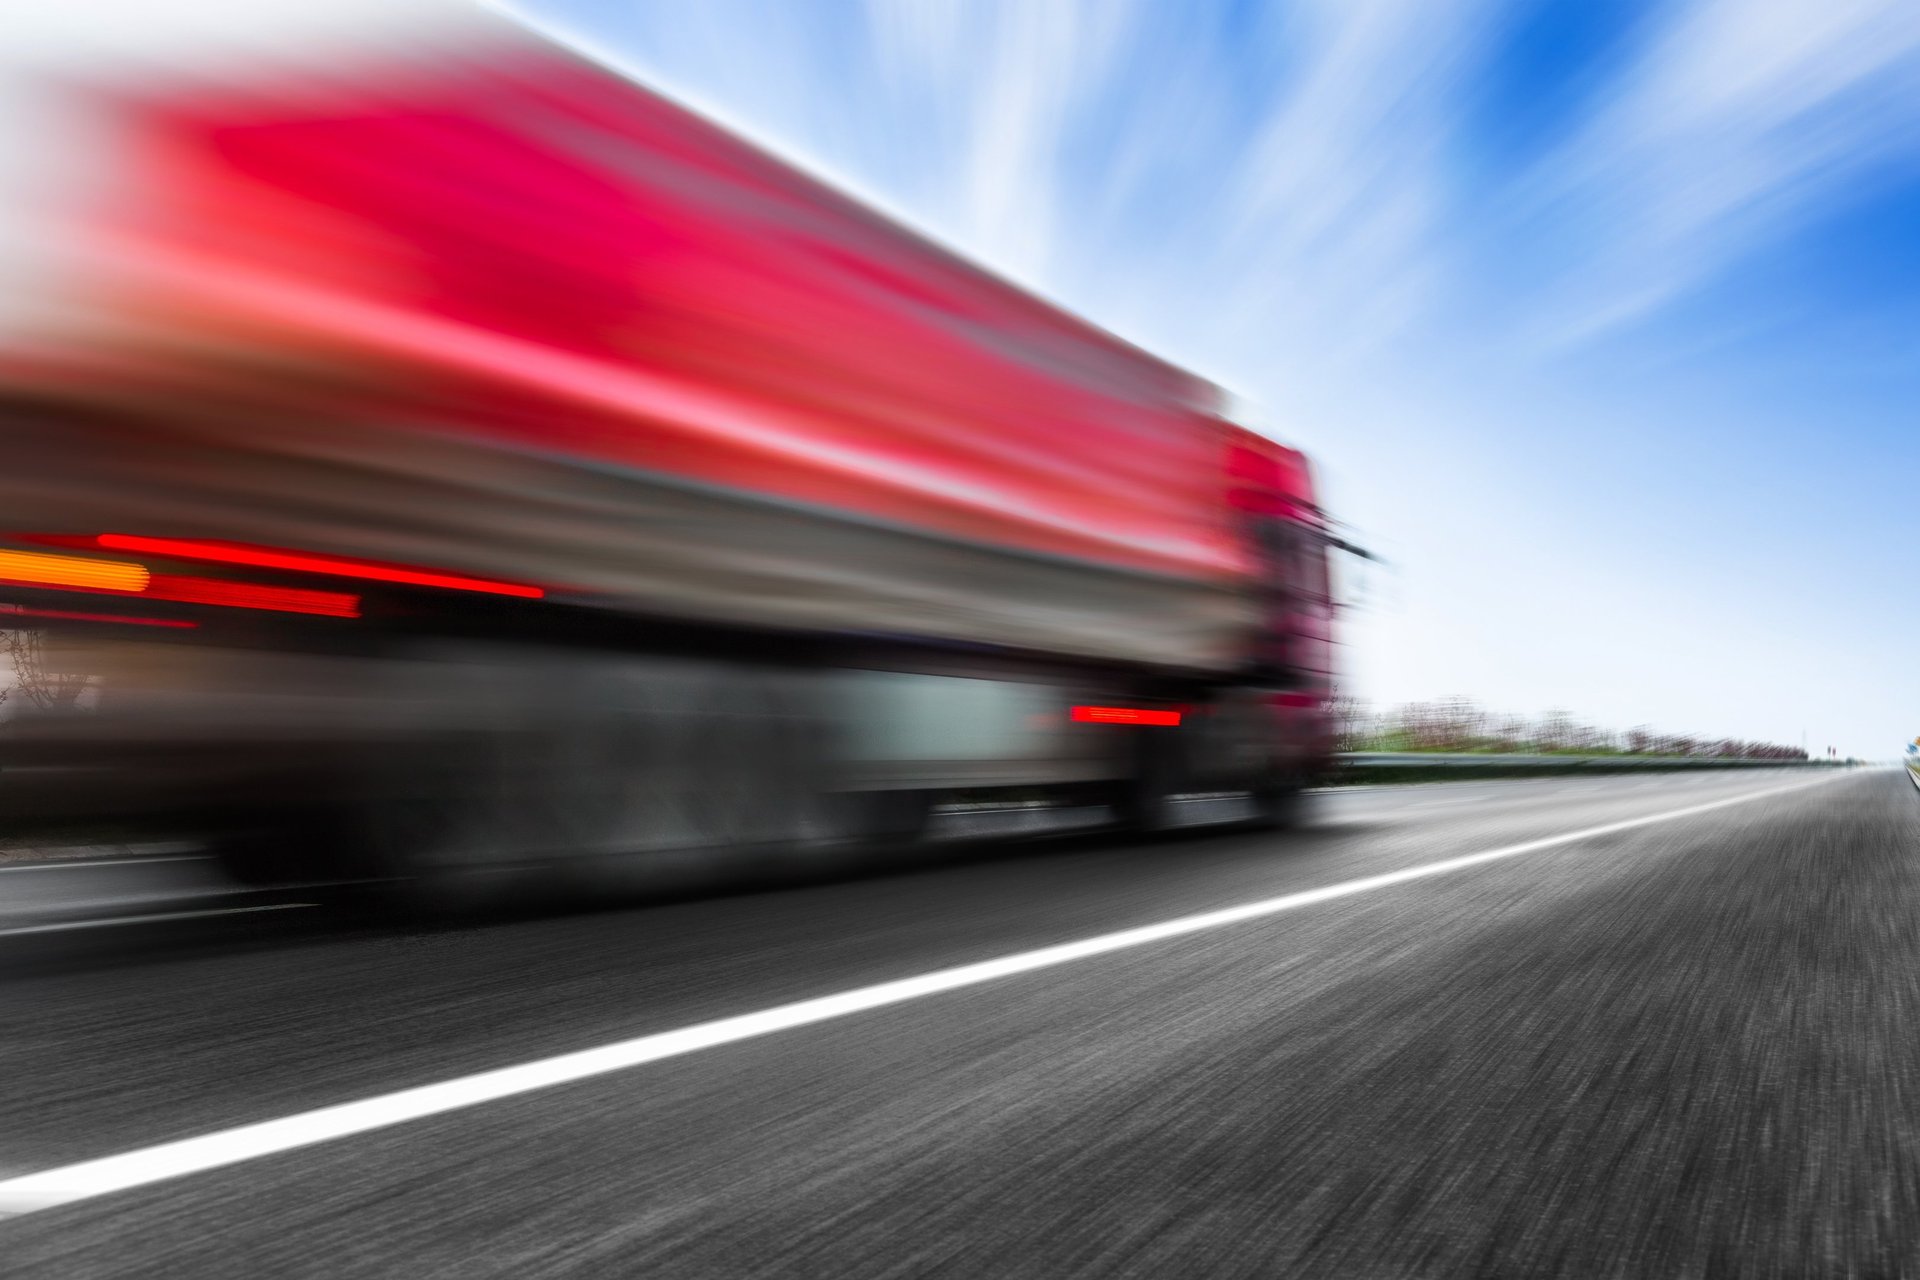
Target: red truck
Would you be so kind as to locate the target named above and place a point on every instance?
(450, 466)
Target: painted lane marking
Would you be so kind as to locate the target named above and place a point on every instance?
(91, 1178)
(111, 922)
(82, 863)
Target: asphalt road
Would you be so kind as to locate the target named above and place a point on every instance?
(1688, 1047)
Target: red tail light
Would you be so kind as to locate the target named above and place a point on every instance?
(1125, 715)
(41, 570)
(245, 595)
(259, 557)
(21, 611)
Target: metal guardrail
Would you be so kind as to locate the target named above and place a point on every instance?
(1497, 760)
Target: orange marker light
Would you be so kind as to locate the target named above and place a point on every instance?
(45, 570)
(1124, 715)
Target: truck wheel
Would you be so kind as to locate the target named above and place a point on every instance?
(599, 776)
(445, 842)
(294, 830)
(797, 816)
(1279, 800)
(1147, 802)
(273, 851)
(894, 820)
(463, 806)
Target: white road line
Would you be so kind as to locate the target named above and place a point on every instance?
(110, 922)
(83, 864)
(83, 1181)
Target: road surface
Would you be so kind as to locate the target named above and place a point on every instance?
(1660, 1025)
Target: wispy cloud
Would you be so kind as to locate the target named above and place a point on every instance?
(1277, 182)
(1743, 119)
(1329, 221)
(1339, 203)
(1018, 75)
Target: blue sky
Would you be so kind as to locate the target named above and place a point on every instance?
(1601, 316)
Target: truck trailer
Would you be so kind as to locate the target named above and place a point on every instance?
(434, 461)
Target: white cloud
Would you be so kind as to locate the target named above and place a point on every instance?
(1743, 118)
(1339, 199)
(1021, 73)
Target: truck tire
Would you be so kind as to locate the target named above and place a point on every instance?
(1148, 804)
(607, 777)
(1279, 800)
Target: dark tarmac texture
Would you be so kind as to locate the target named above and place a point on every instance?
(1689, 1048)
